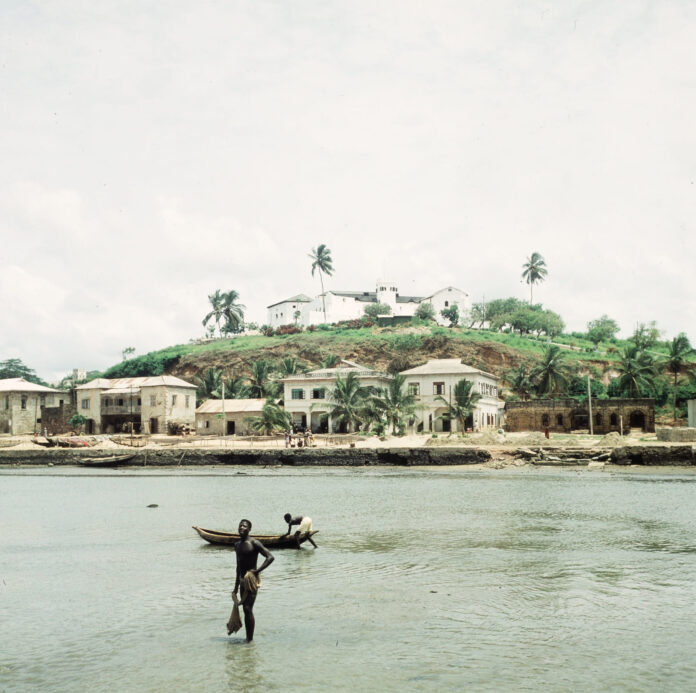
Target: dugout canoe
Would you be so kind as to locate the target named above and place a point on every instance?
(270, 541)
(114, 461)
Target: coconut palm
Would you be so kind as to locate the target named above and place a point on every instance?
(520, 382)
(260, 384)
(534, 272)
(637, 372)
(329, 361)
(551, 375)
(217, 305)
(676, 363)
(463, 403)
(349, 398)
(232, 311)
(209, 385)
(272, 418)
(395, 402)
(236, 387)
(289, 366)
(321, 261)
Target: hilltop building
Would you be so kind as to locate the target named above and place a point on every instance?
(150, 404)
(22, 402)
(350, 305)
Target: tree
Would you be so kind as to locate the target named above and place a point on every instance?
(463, 402)
(425, 311)
(272, 418)
(637, 372)
(322, 262)
(602, 329)
(289, 366)
(551, 375)
(534, 272)
(296, 316)
(217, 312)
(477, 314)
(372, 310)
(646, 336)
(676, 363)
(127, 353)
(208, 385)
(349, 397)
(452, 314)
(259, 380)
(395, 402)
(329, 361)
(520, 382)
(233, 312)
(14, 368)
(77, 421)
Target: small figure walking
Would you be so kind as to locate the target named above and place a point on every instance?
(304, 525)
(247, 551)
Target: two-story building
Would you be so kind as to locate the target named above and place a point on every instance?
(307, 396)
(435, 380)
(21, 403)
(150, 404)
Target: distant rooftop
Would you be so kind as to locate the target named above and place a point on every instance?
(22, 385)
(444, 366)
(128, 383)
(300, 298)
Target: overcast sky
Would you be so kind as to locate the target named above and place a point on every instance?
(153, 152)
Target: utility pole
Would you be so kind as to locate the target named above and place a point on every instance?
(589, 403)
(224, 419)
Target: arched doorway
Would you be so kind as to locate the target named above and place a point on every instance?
(637, 419)
(579, 420)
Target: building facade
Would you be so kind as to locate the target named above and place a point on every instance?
(307, 396)
(566, 415)
(22, 402)
(436, 380)
(350, 305)
(149, 404)
(227, 417)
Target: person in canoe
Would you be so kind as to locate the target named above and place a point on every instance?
(248, 579)
(304, 525)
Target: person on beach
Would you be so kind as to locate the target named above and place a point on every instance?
(304, 525)
(248, 579)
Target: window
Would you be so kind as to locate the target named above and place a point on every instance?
(107, 401)
(139, 401)
(42, 401)
(297, 393)
(446, 304)
(186, 403)
(598, 419)
(24, 401)
(614, 420)
(120, 402)
(84, 404)
(7, 401)
(173, 400)
(319, 393)
(414, 389)
(153, 400)
(207, 424)
(545, 420)
(438, 388)
(559, 419)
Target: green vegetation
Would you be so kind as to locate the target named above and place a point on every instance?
(322, 262)
(273, 419)
(14, 368)
(425, 311)
(395, 403)
(462, 404)
(451, 313)
(372, 310)
(224, 306)
(534, 272)
(77, 421)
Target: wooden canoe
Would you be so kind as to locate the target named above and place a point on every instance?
(270, 541)
(105, 461)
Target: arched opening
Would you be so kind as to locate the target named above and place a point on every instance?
(614, 420)
(637, 419)
(559, 419)
(544, 420)
(579, 420)
(598, 419)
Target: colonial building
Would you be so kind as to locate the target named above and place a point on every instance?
(350, 305)
(437, 379)
(150, 404)
(307, 396)
(21, 404)
(566, 415)
(227, 417)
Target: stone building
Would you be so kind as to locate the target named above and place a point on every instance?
(22, 403)
(229, 417)
(566, 415)
(437, 379)
(151, 404)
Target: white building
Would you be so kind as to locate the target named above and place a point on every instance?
(437, 378)
(350, 305)
(21, 403)
(307, 395)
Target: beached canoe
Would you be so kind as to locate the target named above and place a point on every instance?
(114, 461)
(270, 541)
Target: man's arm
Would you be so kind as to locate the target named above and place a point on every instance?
(264, 552)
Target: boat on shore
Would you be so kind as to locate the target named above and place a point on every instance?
(270, 541)
(114, 461)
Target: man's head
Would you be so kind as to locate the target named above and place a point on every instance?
(244, 527)
(287, 517)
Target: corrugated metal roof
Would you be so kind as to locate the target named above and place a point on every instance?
(127, 383)
(300, 298)
(22, 385)
(232, 406)
(444, 366)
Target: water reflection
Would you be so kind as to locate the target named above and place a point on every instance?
(242, 667)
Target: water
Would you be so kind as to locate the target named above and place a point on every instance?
(520, 580)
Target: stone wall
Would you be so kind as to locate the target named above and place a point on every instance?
(677, 435)
(55, 419)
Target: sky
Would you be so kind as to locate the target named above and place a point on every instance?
(153, 152)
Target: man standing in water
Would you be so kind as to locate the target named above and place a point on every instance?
(248, 551)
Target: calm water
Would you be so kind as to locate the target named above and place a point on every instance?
(423, 580)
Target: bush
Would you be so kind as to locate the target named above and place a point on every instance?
(311, 328)
(288, 329)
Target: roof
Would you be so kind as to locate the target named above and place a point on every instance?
(232, 406)
(444, 367)
(22, 385)
(128, 383)
(300, 298)
(343, 368)
(371, 296)
(447, 288)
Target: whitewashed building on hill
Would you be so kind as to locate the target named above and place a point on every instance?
(437, 378)
(350, 305)
(21, 403)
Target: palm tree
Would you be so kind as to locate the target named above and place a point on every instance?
(289, 366)
(321, 260)
(534, 271)
(395, 402)
(463, 403)
(209, 385)
(272, 418)
(236, 388)
(232, 311)
(329, 361)
(520, 382)
(552, 373)
(259, 379)
(217, 304)
(349, 397)
(676, 363)
(636, 372)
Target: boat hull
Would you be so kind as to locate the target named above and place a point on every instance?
(270, 541)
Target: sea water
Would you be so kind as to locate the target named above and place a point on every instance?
(424, 579)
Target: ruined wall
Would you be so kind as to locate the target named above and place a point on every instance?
(55, 419)
(677, 435)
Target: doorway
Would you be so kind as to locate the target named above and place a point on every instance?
(230, 428)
